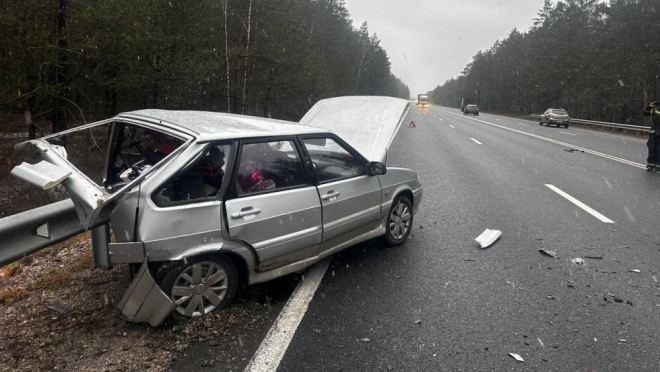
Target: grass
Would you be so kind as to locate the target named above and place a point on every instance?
(11, 294)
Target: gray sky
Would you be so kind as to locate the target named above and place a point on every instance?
(430, 41)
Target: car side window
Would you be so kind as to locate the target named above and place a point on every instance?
(201, 180)
(268, 166)
(332, 161)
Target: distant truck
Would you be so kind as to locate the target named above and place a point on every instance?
(423, 101)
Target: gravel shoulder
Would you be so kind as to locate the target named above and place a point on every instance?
(57, 313)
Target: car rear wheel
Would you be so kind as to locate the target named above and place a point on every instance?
(201, 285)
(399, 221)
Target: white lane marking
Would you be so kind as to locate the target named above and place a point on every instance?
(477, 142)
(592, 152)
(440, 119)
(570, 134)
(584, 207)
(453, 127)
(269, 354)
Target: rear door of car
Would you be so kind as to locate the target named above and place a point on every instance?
(96, 148)
(273, 204)
(350, 197)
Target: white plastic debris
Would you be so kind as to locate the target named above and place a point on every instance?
(636, 271)
(365, 340)
(578, 261)
(548, 253)
(517, 357)
(488, 237)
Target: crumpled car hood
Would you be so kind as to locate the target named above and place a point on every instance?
(367, 123)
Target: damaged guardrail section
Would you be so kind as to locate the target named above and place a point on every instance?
(24, 233)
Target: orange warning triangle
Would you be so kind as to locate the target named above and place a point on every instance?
(412, 124)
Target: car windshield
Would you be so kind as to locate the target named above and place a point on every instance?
(330, 185)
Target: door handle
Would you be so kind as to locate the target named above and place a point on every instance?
(330, 195)
(245, 212)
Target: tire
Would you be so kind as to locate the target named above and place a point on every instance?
(477, 114)
(540, 123)
(212, 297)
(566, 126)
(401, 206)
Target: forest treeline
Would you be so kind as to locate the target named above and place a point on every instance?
(68, 61)
(600, 61)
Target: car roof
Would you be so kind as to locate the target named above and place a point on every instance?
(210, 126)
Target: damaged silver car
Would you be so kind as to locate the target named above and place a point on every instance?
(199, 202)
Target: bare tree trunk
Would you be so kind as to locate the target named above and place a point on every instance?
(227, 58)
(364, 54)
(59, 71)
(247, 54)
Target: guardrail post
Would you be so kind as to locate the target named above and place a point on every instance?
(100, 241)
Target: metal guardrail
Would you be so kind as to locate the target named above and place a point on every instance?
(24, 233)
(639, 128)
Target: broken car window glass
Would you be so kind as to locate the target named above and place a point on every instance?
(113, 154)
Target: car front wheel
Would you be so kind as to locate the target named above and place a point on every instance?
(399, 221)
(201, 285)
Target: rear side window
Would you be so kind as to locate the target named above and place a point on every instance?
(202, 180)
(269, 166)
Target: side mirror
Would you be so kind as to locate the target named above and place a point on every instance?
(377, 168)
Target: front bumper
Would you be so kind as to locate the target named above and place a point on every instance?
(144, 301)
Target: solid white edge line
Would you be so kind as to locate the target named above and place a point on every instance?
(477, 142)
(271, 351)
(592, 152)
(570, 134)
(584, 207)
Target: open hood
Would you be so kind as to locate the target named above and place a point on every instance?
(367, 123)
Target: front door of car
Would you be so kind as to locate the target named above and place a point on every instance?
(350, 197)
(273, 204)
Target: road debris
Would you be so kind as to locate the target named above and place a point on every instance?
(57, 307)
(469, 259)
(577, 261)
(517, 357)
(622, 340)
(548, 253)
(365, 339)
(572, 150)
(488, 237)
(418, 321)
(635, 271)
(551, 297)
(594, 257)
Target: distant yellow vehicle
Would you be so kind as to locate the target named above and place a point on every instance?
(423, 101)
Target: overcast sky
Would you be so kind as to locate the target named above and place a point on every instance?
(430, 41)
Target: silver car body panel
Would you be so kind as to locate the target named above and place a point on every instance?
(144, 301)
(349, 204)
(368, 124)
(278, 225)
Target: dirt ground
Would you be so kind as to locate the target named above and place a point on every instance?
(56, 313)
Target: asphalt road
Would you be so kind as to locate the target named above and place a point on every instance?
(441, 303)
